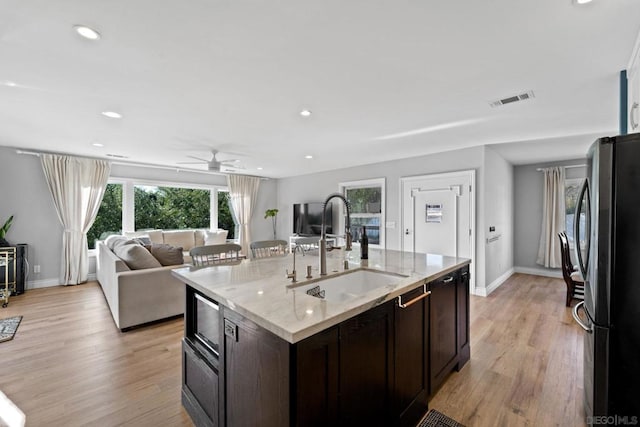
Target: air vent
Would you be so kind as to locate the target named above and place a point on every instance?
(510, 99)
(117, 156)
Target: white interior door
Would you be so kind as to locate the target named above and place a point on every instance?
(438, 214)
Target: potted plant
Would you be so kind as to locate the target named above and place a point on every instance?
(3, 232)
(272, 213)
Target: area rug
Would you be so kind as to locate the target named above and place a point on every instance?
(437, 419)
(8, 327)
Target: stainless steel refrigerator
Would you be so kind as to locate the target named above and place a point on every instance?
(607, 233)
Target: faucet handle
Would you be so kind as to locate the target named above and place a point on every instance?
(291, 275)
(348, 241)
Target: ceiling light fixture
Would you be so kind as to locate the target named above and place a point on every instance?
(10, 83)
(97, 144)
(112, 114)
(305, 113)
(259, 168)
(582, 1)
(308, 156)
(86, 32)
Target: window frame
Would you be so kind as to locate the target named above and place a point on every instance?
(128, 198)
(567, 182)
(367, 183)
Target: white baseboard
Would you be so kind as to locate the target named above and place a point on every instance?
(43, 283)
(539, 272)
(483, 292)
(48, 283)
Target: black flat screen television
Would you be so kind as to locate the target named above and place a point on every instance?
(307, 219)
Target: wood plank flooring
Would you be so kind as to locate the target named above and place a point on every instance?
(69, 366)
(526, 360)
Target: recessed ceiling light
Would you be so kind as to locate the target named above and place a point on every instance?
(86, 32)
(308, 156)
(10, 83)
(112, 114)
(259, 168)
(305, 113)
(97, 144)
(582, 1)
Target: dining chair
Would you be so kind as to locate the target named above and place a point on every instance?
(225, 253)
(573, 279)
(268, 248)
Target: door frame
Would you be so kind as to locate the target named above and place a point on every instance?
(468, 173)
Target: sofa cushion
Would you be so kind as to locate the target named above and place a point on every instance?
(167, 254)
(183, 238)
(199, 238)
(116, 240)
(135, 256)
(215, 237)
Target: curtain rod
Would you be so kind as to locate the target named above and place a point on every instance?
(566, 167)
(144, 165)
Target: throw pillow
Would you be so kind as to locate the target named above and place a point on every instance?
(167, 254)
(143, 241)
(215, 237)
(135, 256)
(115, 240)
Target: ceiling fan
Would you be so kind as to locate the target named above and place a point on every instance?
(213, 164)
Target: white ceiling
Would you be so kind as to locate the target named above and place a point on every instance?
(384, 79)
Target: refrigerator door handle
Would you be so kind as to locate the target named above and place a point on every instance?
(577, 318)
(576, 228)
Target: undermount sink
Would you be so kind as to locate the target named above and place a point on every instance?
(348, 285)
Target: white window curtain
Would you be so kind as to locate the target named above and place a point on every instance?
(553, 218)
(243, 192)
(77, 186)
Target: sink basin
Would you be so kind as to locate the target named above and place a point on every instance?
(349, 285)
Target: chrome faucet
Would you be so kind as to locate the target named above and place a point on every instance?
(292, 275)
(323, 232)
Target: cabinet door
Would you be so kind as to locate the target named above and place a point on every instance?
(199, 387)
(411, 359)
(256, 375)
(444, 329)
(464, 350)
(317, 380)
(366, 368)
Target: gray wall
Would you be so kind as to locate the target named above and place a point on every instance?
(528, 193)
(315, 187)
(24, 193)
(499, 213)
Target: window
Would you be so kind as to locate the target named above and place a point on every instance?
(367, 201)
(171, 208)
(134, 206)
(226, 219)
(109, 218)
(571, 190)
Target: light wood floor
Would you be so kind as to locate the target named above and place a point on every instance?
(526, 360)
(68, 365)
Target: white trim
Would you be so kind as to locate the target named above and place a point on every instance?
(539, 272)
(484, 292)
(471, 173)
(42, 283)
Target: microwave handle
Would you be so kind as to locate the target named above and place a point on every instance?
(576, 228)
(206, 301)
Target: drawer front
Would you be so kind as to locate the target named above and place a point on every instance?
(200, 381)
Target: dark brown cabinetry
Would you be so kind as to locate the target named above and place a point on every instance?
(366, 368)
(376, 369)
(256, 374)
(411, 365)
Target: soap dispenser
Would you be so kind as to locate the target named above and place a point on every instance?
(364, 244)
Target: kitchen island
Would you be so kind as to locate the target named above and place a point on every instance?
(260, 350)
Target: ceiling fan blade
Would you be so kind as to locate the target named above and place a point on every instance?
(199, 158)
(191, 163)
(229, 161)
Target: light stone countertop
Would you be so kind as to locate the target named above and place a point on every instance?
(258, 290)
